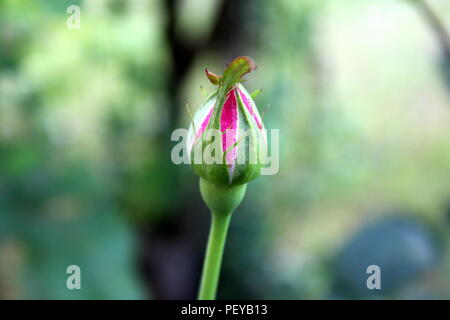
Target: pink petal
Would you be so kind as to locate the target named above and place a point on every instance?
(204, 123)
(229, 122)
(249, 106)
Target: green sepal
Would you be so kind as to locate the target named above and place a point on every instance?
(235, 70)
(214, 78)
(232, 74)
(255, 93)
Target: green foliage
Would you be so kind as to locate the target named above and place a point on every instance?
(358, 95)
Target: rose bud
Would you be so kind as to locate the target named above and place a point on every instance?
(227, 140)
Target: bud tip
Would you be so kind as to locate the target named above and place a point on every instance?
(214, 78)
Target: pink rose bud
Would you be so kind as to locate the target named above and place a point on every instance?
(227, 139)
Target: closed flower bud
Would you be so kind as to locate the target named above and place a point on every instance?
(227, 141)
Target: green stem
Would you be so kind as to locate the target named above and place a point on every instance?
(214, 254)
(222, 200)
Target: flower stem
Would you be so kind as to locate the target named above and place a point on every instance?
(221, 200)
(214, 254)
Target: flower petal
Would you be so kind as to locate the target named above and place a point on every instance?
(229, 126)
(251, 108)
(201, 120)
(204, 123)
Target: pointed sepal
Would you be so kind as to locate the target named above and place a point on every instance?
(214, 78)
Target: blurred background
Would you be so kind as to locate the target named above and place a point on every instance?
(360, 91)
